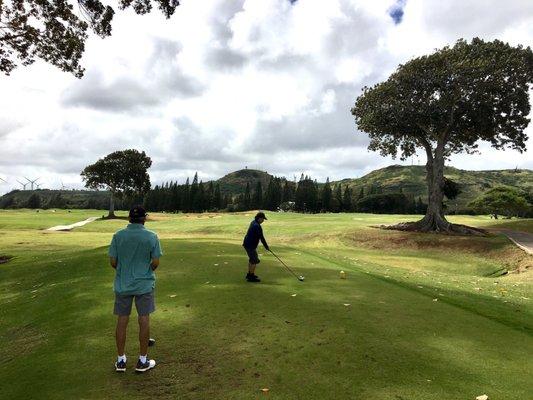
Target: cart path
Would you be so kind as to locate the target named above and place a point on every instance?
(524, 240)
(72, 226)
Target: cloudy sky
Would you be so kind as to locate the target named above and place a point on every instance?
(225, 84)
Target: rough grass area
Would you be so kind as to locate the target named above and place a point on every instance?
(419, 317)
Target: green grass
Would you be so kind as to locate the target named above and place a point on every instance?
(220, 338)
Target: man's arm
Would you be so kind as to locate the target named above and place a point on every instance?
(263, 240)
(113, 253)
(155, 254)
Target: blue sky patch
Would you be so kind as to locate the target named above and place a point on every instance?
(396, 11)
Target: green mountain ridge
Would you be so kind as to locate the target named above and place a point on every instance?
(410, 180)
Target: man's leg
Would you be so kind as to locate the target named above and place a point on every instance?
(145, 304)
(251, 268)
(120, 333)
(144, 334)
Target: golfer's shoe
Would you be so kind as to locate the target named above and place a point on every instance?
(143, 367)
(252, 278)
(120, 366)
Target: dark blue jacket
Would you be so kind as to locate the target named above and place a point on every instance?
(254, 235)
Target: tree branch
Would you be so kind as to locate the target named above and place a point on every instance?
(424, 142)
(9, 37)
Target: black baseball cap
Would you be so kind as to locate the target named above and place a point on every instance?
(137, 212)
(260, 215)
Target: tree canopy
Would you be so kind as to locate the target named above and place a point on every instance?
(121, 172)
(445, 103)
(56, 30)
(502, 200)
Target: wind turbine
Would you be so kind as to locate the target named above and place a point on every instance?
(32, 182)
(23, 184)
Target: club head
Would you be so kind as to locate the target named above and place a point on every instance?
(301, 278)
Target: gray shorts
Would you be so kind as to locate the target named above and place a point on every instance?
(144, 303)
(253, 257)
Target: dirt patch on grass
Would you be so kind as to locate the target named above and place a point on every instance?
(5, 259)
(493, 247)
(386, 240)
(25, 339)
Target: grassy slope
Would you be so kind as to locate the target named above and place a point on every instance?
(411, 179)
(226, 339)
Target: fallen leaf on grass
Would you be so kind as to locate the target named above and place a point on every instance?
(265, 390)
(172, 295)
(346, 304)
(293, 295)
(216, 265)
(482, 397)
(435, 299)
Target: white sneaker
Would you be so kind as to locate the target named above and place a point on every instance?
(143, 367)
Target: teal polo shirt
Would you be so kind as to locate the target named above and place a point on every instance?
(134, 248)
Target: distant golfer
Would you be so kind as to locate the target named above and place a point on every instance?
(251, 241)
(134, 253)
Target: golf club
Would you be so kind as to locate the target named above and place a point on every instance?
(300, 278)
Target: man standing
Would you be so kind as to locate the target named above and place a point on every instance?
(134, 253)
(250, 243)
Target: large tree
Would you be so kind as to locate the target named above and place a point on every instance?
(56, 30)
(445, 103)
(122, 173)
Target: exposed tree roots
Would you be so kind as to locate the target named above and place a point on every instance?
(436, 225)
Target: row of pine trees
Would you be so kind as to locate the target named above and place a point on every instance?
(280, 194)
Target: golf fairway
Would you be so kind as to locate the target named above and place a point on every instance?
(418, 317)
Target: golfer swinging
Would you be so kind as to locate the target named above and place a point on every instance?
(134, 254)
(251, 240)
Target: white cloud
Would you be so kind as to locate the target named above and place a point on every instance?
(232, 83)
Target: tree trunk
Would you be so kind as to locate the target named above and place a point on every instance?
(434, 220)
(111, 206)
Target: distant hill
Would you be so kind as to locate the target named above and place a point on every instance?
(58, 198)
(235, 182)
(412, 181)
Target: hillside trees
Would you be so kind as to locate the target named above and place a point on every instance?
(503, 200)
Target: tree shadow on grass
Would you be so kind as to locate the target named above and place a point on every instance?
(230, 340)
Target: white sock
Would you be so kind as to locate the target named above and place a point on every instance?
(142, 358)
(121, 358)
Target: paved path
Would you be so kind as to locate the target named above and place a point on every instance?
(70, 227)
(523, 240)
